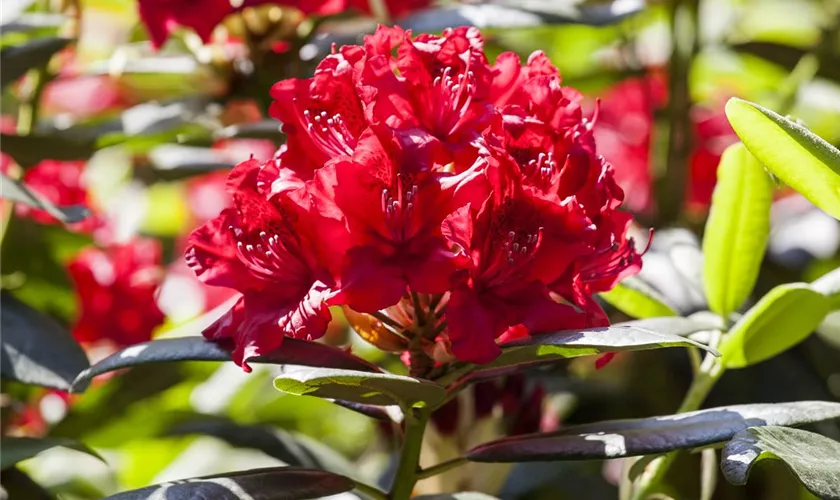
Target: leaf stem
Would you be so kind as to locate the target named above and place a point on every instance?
(407, 469)
(370, 491)
(441, 467)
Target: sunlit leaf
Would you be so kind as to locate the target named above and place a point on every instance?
(463, 495)
(647, 436)
(779, 321)
(35, 349)
(276, 483)
(19, 59)
(382, 389)
(813, 459)
(794, 154)
(16, 449)
(637, 299)
(737, 230)
(829, 285)
(293, 351)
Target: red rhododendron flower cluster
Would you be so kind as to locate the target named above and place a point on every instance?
(162, 17)
(117, 292)
(463, 203)
(62, 183)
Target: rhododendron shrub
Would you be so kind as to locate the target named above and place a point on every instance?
(418, 174)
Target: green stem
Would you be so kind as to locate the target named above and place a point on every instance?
(30, 105)
(370, 491)
(408, 468)
(710, 372)
(684, 40)
(441, 467)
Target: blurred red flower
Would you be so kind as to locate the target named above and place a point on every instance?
(117, 292)
(62, 183)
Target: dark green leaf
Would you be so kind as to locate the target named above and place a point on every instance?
(463, 495)
(788, 57)
(32, 21)
(737, 230)
(28, 150)
(16, 449)
(17, 484)
(829, 285)
(18, 192)
(813, 459)
(265, 129)
(779, 321)
(35, 349)
(638, 299)
(292, 449)
(648, 436)
(19, 59)
(383, 389)
(173, 161)
(794, 154)
(276, 483)
(293, 351)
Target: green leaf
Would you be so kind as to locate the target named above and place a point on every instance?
(462, 495)
(18, 192)
(794, 154)
(293, 351)
(19, 59)
(17, 484)
(652, 333)
(34, 349)
(28, 150)
(16, 449)
(649, 436)
(275, 483)
(637, 299)
(829, 285)
(779, 321)
(737, 229)
(813, 459)
(381, 389)
(174, 161)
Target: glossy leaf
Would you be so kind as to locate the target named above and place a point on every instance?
(383, 389)
(18, 192)
(19, 59)
(829, 285)
(292, 449)
(17, 484)
(173, 161)
(462, 495)
(28, 150)
(16, 449)
(637, 299)
(264, 129)
(737, 230)
(647, 436)
(275, 483)
(812, 458)
(652, 333)
(794, 154)
(779, 321)
(36, 350)
(293, 351)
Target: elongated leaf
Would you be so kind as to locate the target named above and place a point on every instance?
(829, 285)
(647, 436)
(16, 449)
(462, 495)
(788, 57)
(14, 483)
(636, 298)
(31, 21)
(779, 321)
(34, 349)
(737, 230)
(275, 483)
(293, 351)
(173, 161)
(28, 150)
(793, 153)
(18, 192)
(19, 59)
(813, 459)
(265, 129)
(293, 449)
(383, 389)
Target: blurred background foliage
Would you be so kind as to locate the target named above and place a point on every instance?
(155, 129)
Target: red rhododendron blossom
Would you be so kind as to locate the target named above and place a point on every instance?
(264, 247)
(117, 292)
(62, 183)
(712, 135)
(460, 202)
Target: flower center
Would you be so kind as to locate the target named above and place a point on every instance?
(453, 98)
(330, 133)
